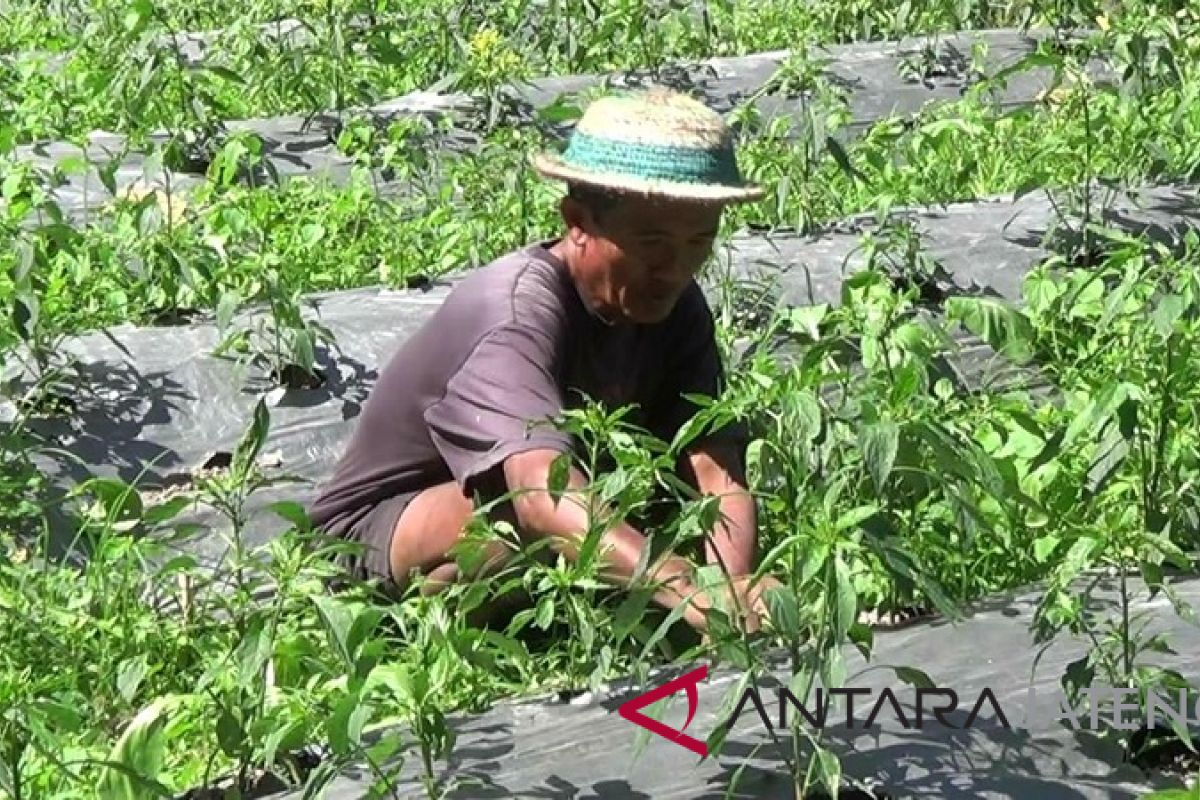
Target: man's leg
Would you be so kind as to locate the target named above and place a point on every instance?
(429, 528)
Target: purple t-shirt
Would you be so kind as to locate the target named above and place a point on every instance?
(514, 344)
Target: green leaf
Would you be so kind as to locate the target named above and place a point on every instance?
(129, 677)
(1167, 549)
(829, 770)
(251, 442)
(165, 511)
(1078, 675)
(224, 72)
(304, 351)
(879, 443)
(26, 257)
(560, 476)
(140, 752)
(358, 720)
(808, 319)
(1079, 556)
(253, 652)
(1167, 313)
(365, 622)
(346, 725)
(803, 415)
(630, 612)
(64, 718)
(311, 234)
(229, 733)
(675, 615)
(561, 110)
(227, 306)
(545, 613)
(293, 512)
(338, 618)
(855, 518)
(1043, 546)
(1173, 794)
(863, 638)
(914, 677)
(785, 547)
(1005, 328)
(288, 737)
(1109, 457)
(120, 501)
(1098, 412)
(1152, 574)
(152, 167)
(814, 561)
(843, 161)
(846, 599)
(716, 739)
(784, 611)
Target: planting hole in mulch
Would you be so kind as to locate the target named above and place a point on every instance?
(261, 782)
(928, 291)
(897, 617)
(175, 317)
(1161, 750)
(217, 461)
(294, 376)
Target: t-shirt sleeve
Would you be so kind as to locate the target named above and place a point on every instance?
(500, 402)
(695, 368)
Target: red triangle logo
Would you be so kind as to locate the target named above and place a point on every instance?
(631, 710)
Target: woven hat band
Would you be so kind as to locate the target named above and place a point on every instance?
(657, 162)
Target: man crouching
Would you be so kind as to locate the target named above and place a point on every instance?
(610, 309)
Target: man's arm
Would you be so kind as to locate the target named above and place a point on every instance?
(716, 469)
(566, 523)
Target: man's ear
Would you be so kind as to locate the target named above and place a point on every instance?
(577, 218)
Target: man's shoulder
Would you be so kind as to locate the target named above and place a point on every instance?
(525, 286)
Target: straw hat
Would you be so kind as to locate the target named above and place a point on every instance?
(657, 143)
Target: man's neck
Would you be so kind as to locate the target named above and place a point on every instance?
(563, 251)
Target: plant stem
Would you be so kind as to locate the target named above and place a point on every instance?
(1087, 182)
(1126, 644)
(15, 761)
(427, 762)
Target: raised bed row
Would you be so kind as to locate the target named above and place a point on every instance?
(168, 405)
(871, 75)
(585, 749)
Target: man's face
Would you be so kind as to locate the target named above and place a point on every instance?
(640, 255)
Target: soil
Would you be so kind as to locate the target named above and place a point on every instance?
(896, 618)
(263, 783)
(214, 466)
(852, 794)
(296, 377)
(175, 317)
(1161, 751)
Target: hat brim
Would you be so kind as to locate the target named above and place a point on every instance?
(553, 166)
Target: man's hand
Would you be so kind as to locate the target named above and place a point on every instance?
(566, 522)
(748, 602)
